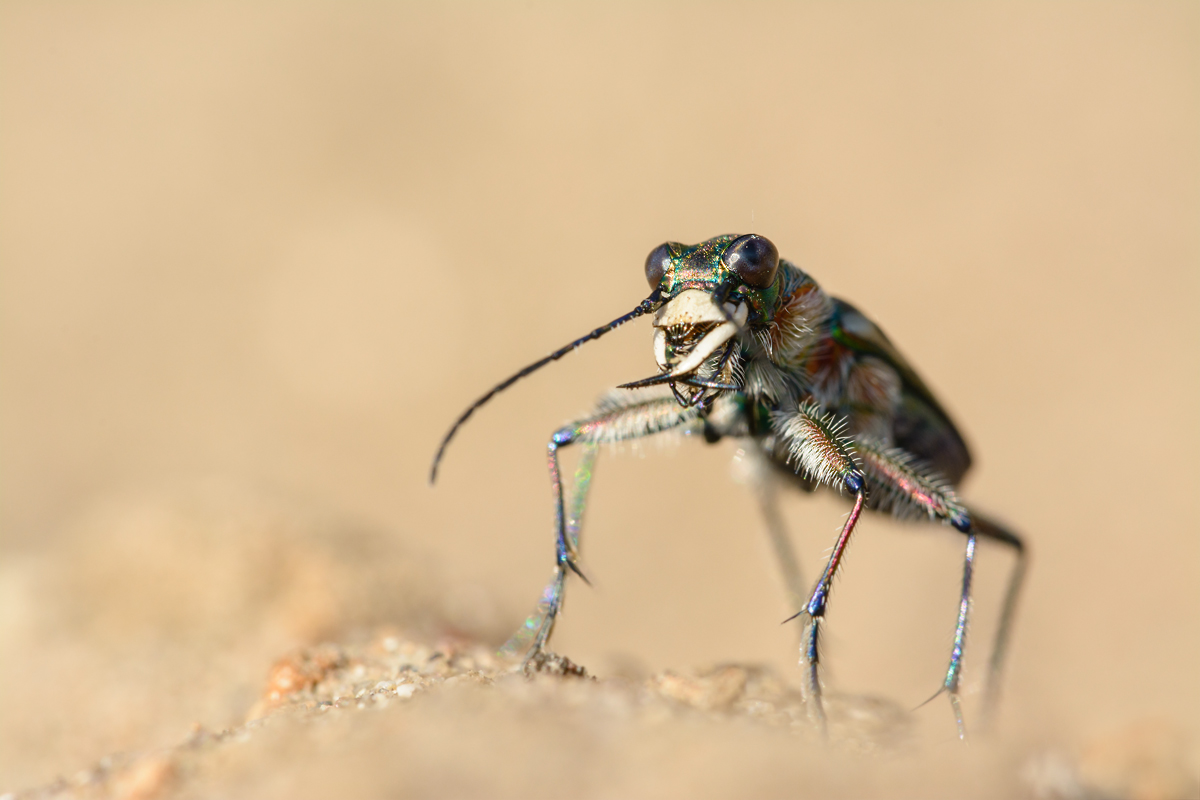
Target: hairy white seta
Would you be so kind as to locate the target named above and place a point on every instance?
(903, 486)
(816, 444)
(765, 379)
(804, 311)
(624, 415)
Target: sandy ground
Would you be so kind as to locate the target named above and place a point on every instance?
(254, 259)
(419, 707)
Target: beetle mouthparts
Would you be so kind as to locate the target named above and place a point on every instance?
(692, 311)
(714, 339)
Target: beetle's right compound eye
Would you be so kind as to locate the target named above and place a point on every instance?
(657, 263)
(753, 259)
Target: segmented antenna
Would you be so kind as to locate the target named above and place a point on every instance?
(645, 307)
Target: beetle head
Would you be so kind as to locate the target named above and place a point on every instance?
(701, 297)
(709, 292)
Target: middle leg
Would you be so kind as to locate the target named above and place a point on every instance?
(754, 469)
(816, 447)
(781, 544)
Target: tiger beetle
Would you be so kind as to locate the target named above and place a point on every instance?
(749, 347)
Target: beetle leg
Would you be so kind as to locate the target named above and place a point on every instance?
(815, 613)
(767, 493)
(540, 624)
(981, 526)
(899, 485)
(816, 447)
(620, 416)
(954, 671)
(990, 529)
(754, 469)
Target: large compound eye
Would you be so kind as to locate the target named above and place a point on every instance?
(753, 259)
(657, 263)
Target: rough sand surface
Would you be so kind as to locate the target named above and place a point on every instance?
(397, 718)
(420, 709)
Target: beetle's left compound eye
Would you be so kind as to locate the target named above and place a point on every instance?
(657, 263)
(753, 259)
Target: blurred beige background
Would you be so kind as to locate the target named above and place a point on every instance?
(278, 247)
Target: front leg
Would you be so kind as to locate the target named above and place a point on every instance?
(536, 630)
(619, 417)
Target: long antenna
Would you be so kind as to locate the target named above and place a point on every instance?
(644, 307)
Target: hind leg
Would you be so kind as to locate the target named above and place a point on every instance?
(954, 670)
(981, 526)
(992, 530)
(900, 486)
